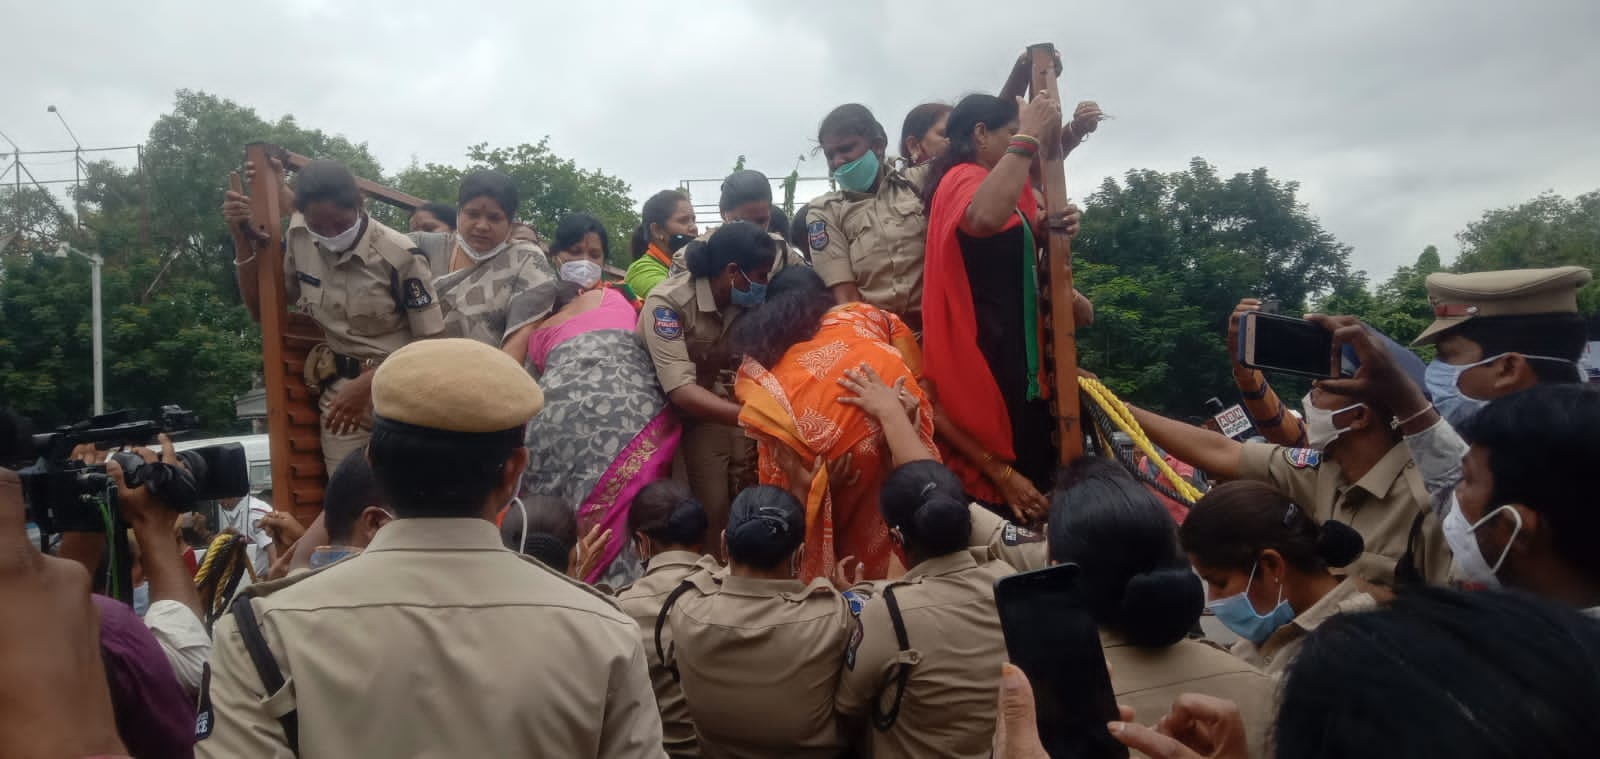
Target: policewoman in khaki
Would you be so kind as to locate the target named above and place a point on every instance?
(1269, 569)
(924, 660)
(757, 651)
(668, 525)
(994, 537)
(1145, 599)
(420, 645)
(683, 325)
(367, 285)
(746, 196)
(866, 238)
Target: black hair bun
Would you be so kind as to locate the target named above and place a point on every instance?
(942, 524)
(1159, 608)
(1339, 544)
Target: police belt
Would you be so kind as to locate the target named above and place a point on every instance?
(350, 367)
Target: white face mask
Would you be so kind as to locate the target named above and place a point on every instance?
(485, 255)
(1468, 557)
(341, 242)
(1320, 429)
(582, 272)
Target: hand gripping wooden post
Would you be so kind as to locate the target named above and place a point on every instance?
(1062, 351)
(293, 427)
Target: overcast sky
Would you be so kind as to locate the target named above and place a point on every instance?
(1402, 121)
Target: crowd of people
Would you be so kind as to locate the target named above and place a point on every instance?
(752, 499)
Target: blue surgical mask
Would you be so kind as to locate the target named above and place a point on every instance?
(325, 555)
(1455, 406)
(755, 296)
(1239, 615)
(858, 175)
(141, 598)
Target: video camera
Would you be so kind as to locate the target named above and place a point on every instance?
(66, 495)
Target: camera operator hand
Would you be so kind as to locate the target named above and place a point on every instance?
(54, 700)
(86, 547)
(152, 522)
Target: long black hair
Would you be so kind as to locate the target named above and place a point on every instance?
(1132, 573)
(1468, 675)
(666, 511)
(926, 503)
(492, 185)
(738, 242)
(853, 119)
(797, 298)
(1230, 526)
(657, 210)
(765, 526)
(988, 110)
(919, 121)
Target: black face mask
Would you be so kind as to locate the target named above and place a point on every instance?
(675, 242)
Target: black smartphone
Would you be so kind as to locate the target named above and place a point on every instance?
(1274, 343)
(1052, 637)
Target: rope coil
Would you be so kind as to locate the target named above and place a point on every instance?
(230, 551)
(1114, 409)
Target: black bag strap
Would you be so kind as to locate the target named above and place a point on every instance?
(1406, 571)
(266, 666)
(886, 719)
(661, 622)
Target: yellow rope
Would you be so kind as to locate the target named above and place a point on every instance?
(1120, 416)
(236, 550)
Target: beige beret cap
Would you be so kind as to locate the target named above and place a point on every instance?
(455, 385)
(1457, 298)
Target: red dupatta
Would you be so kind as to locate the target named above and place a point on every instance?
(952, 360)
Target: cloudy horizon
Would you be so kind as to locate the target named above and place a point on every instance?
(1402, 123)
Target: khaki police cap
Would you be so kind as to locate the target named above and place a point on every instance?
(1513, 292)
(455, 385)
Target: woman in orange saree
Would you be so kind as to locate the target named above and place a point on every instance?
(797, 346)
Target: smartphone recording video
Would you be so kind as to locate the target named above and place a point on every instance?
(1052, 637)
(1287, 345)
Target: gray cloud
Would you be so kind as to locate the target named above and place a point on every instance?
(1401, 121)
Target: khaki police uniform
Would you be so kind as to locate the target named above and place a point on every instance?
(953, 649)
(1274, 654)
(371, 300)
(759, 662)
(994, 538)
(643, 601)
(436, 640)
(1149, 679)
(684, 332)
(874, 240)
(1383, 506)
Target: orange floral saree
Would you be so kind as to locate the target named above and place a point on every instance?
(796, 405)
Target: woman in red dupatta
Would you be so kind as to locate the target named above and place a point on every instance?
(797, 347)
(981, 320)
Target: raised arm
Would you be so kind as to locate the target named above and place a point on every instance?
(1210, 451)
(996, 198)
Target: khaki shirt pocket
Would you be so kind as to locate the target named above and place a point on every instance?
(372, 312)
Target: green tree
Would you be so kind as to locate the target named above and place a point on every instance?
(550, 187)
(1546, 231)
(1165, 257)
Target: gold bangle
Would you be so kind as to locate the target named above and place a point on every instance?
(1026, 138)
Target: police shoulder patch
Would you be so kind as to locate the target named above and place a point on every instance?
(308, 279)
(668, 325)
(1303, 458)
(203, 720)
(817, 234)
(1013, 535)
(855, 643)
(856, 602)
(417, 295)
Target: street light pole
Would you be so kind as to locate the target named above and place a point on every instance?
(96, 263)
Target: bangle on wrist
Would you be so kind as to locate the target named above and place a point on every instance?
(1028, 138)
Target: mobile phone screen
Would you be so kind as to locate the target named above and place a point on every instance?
(1052, 637)
(1285, 344)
